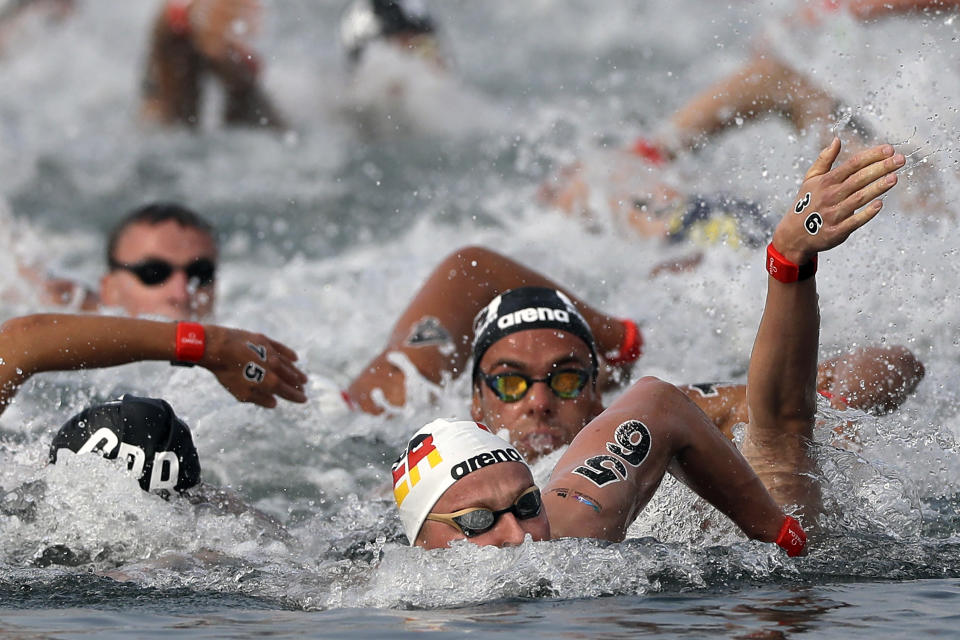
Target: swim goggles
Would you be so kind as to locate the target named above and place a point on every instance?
(477, 520)
(510, 387)
(155, 271)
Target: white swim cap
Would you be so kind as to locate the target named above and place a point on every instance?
(438, 455)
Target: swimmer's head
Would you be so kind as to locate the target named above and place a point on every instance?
(161, 260)
(525, 309)
(145, 432)
(403, 22)
(534, 369)
(456, 480)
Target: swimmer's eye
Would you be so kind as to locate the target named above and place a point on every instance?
(511, 387)
(478, 520)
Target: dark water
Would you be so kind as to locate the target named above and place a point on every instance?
(326, 234)
(852, 610)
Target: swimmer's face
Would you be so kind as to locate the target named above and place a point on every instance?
(494, 487)
(178, 297)
(540, 421)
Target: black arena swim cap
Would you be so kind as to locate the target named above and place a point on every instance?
(528, 308)
(155, 442)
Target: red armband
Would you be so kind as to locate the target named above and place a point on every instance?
(191, 342)
(177, 15)
(791, 538)
(784, 270)
(631, 347)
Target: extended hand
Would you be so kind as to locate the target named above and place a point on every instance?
(253, 367)
(825, 213)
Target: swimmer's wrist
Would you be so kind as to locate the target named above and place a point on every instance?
(631, 347)
(782, 268)
(791, 538)
(190, 344)
(176, 13)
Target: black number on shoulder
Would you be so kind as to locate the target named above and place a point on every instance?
(633, 439)
(602, 470)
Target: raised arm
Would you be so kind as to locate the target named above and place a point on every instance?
(250, 366)
(435, 331)
(781, 383)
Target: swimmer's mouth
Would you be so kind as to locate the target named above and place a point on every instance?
(541, 442)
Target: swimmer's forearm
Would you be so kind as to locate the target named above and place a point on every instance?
(867, 9)
(54, 342)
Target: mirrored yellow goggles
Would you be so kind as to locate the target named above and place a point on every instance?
(565, 383)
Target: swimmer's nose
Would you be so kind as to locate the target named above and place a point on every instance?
(177, 289)
(509, 531)
(539, 400)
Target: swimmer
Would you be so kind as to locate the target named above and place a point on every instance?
(156, 447)
(194, 39)
(161, 260)
(456, 481)
(403, 25)
(251, 366)
(473, 305)
(768, 85)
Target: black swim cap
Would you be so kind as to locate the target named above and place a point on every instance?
(143, 430)
(367, 20)
(528, 308)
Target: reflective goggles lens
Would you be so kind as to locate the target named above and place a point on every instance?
(477, 520)
(510, 387)
(154, 271)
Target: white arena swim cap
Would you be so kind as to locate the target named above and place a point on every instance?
(438, 455)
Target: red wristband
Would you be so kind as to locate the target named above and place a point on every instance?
(177, 14)
(784, 270)
(648, 151)
(791, 538)
(630, 348)
(191, 342)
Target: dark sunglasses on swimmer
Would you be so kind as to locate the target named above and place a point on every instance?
(511, 387)
(155, 271)
(477, 520)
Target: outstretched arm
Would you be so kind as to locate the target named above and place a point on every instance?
(436, 329)
(781, 383)
(614, 466)
(54, 342)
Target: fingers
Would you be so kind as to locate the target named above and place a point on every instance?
(825, 160)
(873, 190)
(861, 160)
(857, 220)
(283, 349)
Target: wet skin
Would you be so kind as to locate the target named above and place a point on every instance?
(176, 298)
(494, 487)
(539, 422)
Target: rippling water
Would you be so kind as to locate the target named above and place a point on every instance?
(327, 232)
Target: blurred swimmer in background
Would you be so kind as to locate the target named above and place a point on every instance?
(161, 261)
(632, 186)
(191, 40)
